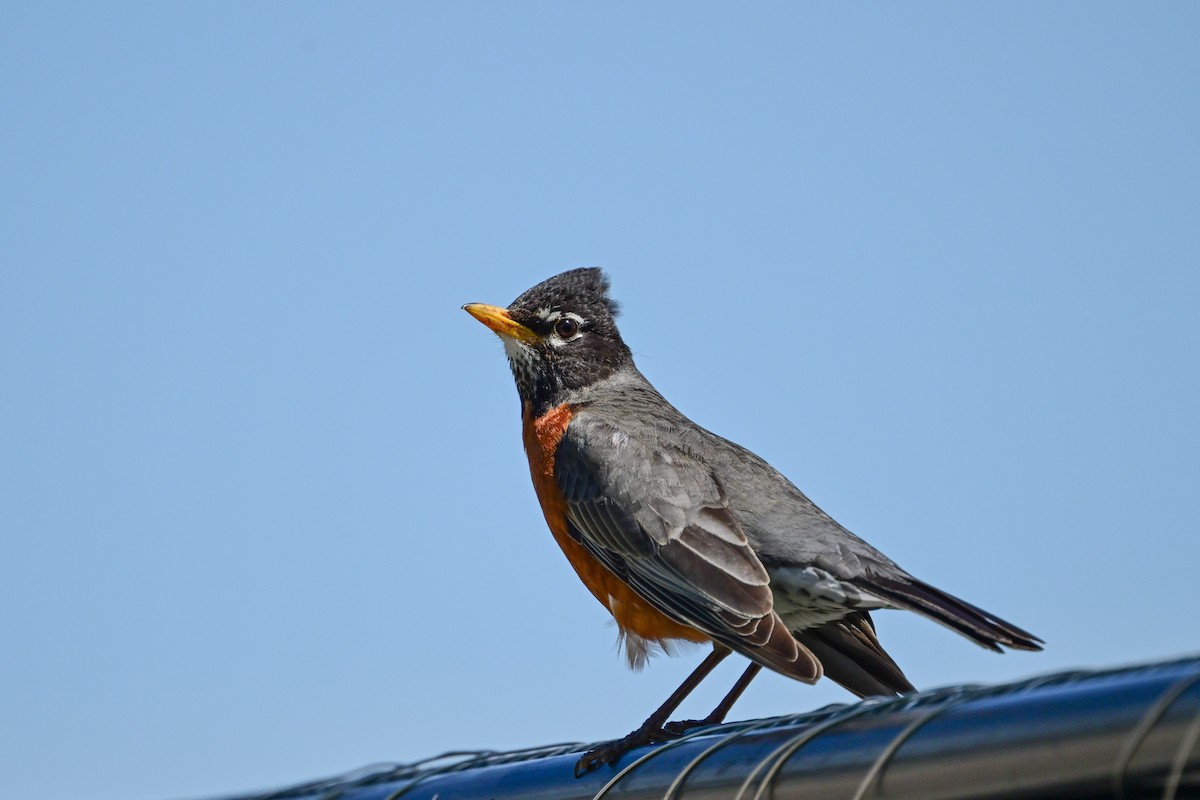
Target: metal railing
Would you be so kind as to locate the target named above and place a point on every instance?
(1127, 734)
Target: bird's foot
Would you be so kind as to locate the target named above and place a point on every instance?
(610, 752)
(680, 727)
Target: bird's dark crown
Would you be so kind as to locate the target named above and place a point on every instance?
(578, 341)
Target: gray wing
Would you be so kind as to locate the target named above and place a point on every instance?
(657, 519)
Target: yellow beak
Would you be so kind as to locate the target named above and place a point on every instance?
(499, 321)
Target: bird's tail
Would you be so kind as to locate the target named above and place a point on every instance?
(853, 657)
(986, 630)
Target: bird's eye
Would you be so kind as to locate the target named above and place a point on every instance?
(566, 327)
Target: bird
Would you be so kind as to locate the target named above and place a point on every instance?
(684, 536)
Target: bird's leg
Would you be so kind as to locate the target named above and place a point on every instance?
(719, 713)
(651, 730)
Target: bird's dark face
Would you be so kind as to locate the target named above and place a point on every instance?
(560, 336)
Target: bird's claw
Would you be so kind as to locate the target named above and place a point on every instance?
(610, 752)
(680, 727)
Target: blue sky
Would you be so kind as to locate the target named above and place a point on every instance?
(264, 508)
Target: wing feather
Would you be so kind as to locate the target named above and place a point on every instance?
(659, 521)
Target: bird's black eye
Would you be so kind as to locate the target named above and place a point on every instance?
(566, 327)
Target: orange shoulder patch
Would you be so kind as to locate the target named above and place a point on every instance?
(633, 614)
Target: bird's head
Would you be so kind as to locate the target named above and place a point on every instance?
(560, 336)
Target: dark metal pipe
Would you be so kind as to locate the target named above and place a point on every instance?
(1127, 734)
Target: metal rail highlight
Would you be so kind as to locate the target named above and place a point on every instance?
(1127, 734)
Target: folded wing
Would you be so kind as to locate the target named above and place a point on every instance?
(657, 519)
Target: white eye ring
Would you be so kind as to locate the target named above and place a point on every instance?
(565, 327)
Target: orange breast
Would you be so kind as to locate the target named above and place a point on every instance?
(633, 614)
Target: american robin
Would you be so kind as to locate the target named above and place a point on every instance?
(683, 535)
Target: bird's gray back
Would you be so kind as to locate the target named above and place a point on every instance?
(782, 524)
